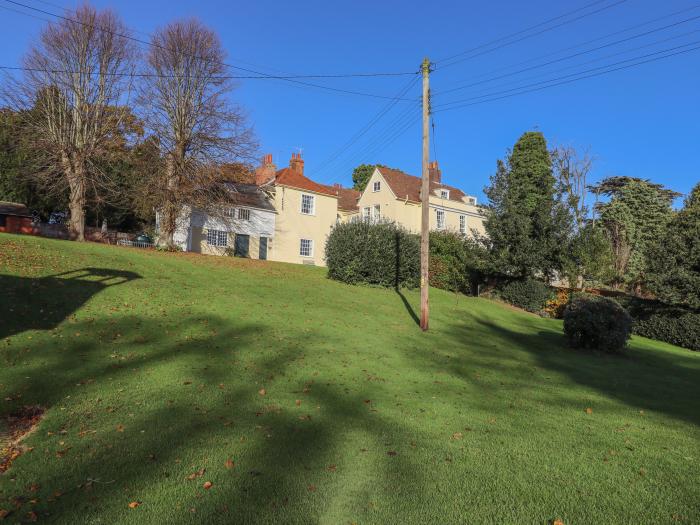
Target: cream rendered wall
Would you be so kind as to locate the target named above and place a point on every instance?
(291, 225)
(405, 213)
(453, 209)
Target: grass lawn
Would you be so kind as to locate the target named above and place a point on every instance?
(302, 400)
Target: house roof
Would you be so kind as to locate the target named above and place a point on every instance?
(347, 199)
(407, 186)
(14, 208)
(294, 179)
(248, 195)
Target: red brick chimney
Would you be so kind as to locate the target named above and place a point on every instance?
(434, 173)
(297, 163)
(266, 171)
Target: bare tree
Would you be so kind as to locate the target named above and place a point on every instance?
(185, 105)
(571, 168)
(75, 78)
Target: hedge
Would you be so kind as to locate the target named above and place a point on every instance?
(381, 254)
(387, 255)
(529, 294)
(672, 324)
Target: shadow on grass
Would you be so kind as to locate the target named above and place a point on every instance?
(667, 383)
(187, 400)
(42, 303)
(408, 306)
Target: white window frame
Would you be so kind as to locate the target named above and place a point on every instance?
(312, 207)
(310, 248)
(440, 223)
(217, 236)
(471, 201)
(367, 213)
(243, 214)
(463, 224)
(376, 186)
(444, 194)
(230, 212)
(377, 212)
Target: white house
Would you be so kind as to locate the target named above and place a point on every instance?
(243, 226)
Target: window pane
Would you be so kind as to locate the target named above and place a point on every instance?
(306, 247)
(307, 204)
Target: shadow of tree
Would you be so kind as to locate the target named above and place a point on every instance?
(133, 426)
(41, 303)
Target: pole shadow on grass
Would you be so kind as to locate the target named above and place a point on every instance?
(42, 303)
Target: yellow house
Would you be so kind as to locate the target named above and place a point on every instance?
(396, 196)
(305, 211)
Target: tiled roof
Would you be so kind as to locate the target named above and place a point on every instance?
(407, 186)
(347, 199)
(248, 195)
(13, 208)
(294, 179)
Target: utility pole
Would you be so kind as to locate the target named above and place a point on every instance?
(425, 197)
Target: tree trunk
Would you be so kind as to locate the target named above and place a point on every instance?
(169, 211)
(75, 172)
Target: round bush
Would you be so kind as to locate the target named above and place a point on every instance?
(382, 254)
(597, 323)
(528, 294)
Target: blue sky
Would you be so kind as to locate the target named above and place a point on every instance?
(643, 121)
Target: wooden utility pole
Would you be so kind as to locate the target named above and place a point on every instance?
(425, 197)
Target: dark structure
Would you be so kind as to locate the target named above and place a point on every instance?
(15, 218)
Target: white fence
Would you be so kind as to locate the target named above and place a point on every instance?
(135, 244)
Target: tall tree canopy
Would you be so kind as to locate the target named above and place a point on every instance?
(527, 226)
(187, 108)
(361, 175)
(74, 80)
(635, 216)
(674, 258)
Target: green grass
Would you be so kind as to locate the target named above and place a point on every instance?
(150, 367)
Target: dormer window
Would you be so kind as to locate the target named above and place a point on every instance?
(376, 186)
(471, 201)
(444, 194)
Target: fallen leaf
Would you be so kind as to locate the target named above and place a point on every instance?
(229, 464)
(4, 513)
(331, 468)
(557, 522)
(589, 410)
(391, 453)
(262, 391)
(197, 474)
(134, 504)
(457, 435)
(120, 428)
(298, 402)
(207, 485)
(312, 488)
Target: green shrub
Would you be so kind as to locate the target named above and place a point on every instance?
(672, 324)
(597, 323)
(456, 263)
(382, 254)
(529, 294)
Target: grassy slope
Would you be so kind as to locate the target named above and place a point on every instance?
(150, 379)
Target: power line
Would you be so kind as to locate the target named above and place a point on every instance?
(214, 77)
(569, 81)
(359, 134)
(455, 60)
(145, 42)
(574, 55)
(597, 39)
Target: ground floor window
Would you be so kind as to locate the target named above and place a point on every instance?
(217, 238)
(366, 214)
(306, 248)
(3, 221)
(377, 212)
